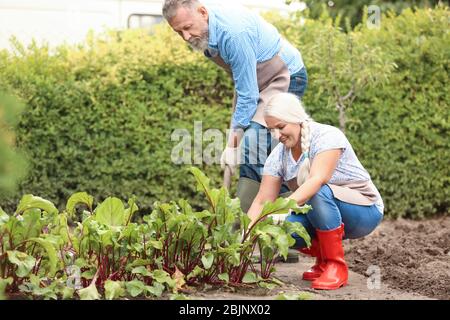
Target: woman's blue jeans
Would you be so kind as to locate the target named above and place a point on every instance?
(328, 213)
(257, 141)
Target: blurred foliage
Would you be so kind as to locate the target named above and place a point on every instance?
(12, 163)
(100, 115)
(353, 10)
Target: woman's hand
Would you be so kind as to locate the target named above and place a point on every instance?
(268, 191)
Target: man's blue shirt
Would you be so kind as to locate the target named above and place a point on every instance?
(242, 38)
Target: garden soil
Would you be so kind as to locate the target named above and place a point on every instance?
(400, 260)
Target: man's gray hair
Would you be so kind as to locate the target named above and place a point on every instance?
(170, 7)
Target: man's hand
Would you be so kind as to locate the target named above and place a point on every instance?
(231, 158)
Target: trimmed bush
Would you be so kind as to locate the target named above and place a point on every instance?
(100, 117)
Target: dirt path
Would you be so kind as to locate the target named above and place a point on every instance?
(414, 256)
(401, 260)
(289, 273)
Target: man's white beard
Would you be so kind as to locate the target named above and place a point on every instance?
(199, 44)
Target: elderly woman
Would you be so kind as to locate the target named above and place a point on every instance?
(321, 169)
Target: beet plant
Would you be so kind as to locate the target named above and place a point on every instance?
(107, 254)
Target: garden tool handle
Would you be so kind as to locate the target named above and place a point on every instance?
(227, 177)
(227, 172)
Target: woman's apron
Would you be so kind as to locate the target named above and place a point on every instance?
(354, 192)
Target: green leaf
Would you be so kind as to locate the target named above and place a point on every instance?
(277, 281)
(48, 292)
(203, 186)
(29, 201)
(208, 260)
(138, 263)
(224, 277)
(78, 198)
(88, 274)
(24, 262)
(4, 217)
(299, 229)
(302, 210)
(280, 206)
(156, 289)
(294, 296)
(67, 293)
(135, 287)
(132, 208)
(89, 293)
(30, 226)
(250, 277)
(267, 285)
(113, 290)
(110, 212)
(202, 180)
(142, 270)
(161, 276)
(282, 242)
(178, 296)
(3, 284)
(51, 254)
(156, 244)
(195, 273)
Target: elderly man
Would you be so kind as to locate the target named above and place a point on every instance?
(261, 64)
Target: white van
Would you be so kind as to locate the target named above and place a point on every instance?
(68, 21)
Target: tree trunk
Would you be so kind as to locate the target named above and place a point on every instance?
(342, 118)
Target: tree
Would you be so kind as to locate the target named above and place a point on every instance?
(347, 65)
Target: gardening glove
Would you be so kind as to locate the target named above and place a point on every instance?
(279, 218)
(231, 158)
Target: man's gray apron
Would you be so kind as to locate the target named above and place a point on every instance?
(273, 77)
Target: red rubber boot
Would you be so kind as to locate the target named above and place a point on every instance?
(335, 274)
(316, 270)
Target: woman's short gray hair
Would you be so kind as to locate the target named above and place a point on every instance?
(170, 7)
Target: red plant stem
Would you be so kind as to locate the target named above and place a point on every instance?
(1, 240)
(166, 250)
(199, 256)
(113, 257)
(11, 243)
(145, 253)
(38, 266)
(61, 252)
(176, 245)
(34, 246)
(252, 267)
(188, 252)
(246, 233)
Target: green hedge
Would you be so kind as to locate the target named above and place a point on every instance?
(12, 164)
(100, 116)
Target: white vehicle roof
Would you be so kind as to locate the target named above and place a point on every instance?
(68, 21)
